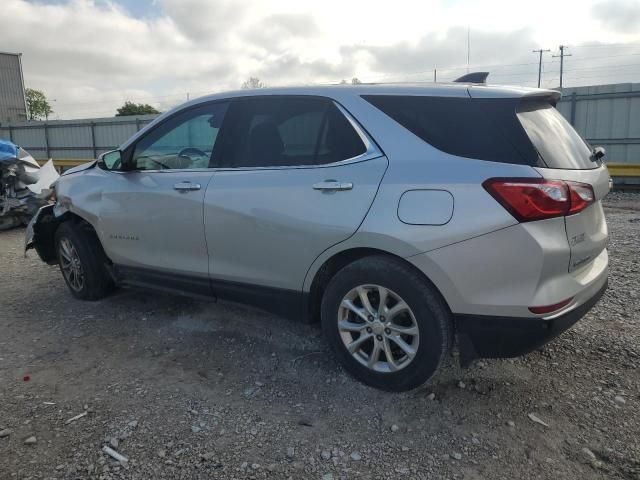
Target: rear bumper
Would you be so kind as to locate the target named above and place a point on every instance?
(482, 336)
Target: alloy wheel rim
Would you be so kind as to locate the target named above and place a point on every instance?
(71, 265)
(378, 328)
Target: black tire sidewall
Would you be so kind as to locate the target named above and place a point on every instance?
(431, 315)
(96, 282)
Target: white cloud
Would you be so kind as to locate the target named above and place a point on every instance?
(620, 15)
(91, 57)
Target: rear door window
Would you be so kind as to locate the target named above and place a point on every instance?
(286, 131)
(559, 145)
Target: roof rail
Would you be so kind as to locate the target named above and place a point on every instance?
(473, 77)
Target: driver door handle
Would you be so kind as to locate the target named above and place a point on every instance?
(186, 186)
(332, 185)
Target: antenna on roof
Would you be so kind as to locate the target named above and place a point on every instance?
(473, 77)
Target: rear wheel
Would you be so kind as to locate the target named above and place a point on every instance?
(386, 323)
(82, 262)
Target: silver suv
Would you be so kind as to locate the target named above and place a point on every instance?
(401, 217)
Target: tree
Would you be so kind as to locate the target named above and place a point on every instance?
(130, 108)
(253, 82)
(37, 104)
(354, 81)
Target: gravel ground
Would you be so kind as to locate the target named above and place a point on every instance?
(186, 389)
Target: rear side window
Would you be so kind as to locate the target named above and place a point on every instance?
(286, 131)
(558, 143)
(483, 129)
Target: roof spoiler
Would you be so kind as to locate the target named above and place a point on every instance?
(551, 96)
(473, 77)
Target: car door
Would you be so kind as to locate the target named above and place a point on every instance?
(296, 176)
(151, 214)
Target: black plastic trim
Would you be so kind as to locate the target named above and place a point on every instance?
(284, 302)
(44, 229)
(281, 301)
(165, 281)
(483, 336)
(473, 77)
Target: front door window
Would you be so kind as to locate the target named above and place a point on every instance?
(185, 141)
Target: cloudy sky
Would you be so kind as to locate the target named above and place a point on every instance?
(91, 56)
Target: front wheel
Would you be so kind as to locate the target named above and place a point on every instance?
(388, 326)
(82, 262)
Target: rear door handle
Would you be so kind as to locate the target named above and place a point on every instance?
(332, 185)
(186, 186)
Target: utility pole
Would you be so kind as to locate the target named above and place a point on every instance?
(468, 46)
(562, 55)
(540, 51)
(435, 74)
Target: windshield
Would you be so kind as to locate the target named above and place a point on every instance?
(557, 142)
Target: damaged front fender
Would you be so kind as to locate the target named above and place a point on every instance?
(40, 234)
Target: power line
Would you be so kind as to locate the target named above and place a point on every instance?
(604, 67)
(604, 75)
(576, 73)
(147, 98)
(495, 66)
(609, 45)
(384, 76)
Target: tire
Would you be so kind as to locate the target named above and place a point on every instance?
(80, 243)
(427, 316)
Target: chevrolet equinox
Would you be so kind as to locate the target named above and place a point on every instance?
(401, 217)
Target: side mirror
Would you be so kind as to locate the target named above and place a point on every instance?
(598, 153)
(110, 160)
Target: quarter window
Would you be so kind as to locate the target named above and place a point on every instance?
(294, 131)
(184, 141)
(481, 128)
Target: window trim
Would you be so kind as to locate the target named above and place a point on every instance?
(372, 149)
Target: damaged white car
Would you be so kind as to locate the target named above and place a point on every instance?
(24, 185)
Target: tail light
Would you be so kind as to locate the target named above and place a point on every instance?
(529, 199)
(581, 196)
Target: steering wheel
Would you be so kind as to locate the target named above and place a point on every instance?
(163, 165)
(188, 151)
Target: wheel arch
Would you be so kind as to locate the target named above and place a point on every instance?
(44, 231)
(341, 259)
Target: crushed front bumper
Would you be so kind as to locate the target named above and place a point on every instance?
(481, 336)
(39, 234)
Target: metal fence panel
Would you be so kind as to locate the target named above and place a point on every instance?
(64, 136)
(31, 137)
(73, 139)
(607, 115)
(634, 118)
(114, 135)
